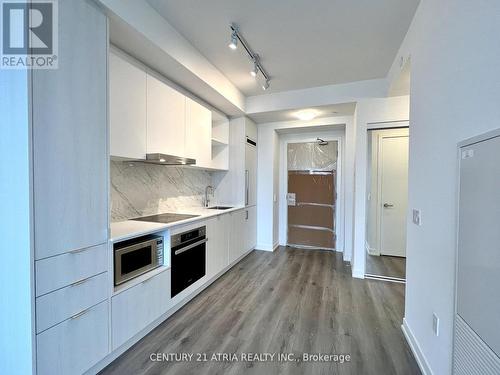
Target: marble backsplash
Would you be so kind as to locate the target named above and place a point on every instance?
(145, 189)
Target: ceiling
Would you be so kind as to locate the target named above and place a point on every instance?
(345, 109)
(302, 43)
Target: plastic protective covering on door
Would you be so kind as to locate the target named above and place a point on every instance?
(312, 172)
(311, 156)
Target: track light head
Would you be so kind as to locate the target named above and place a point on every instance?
(255, 70)
(233, 44)
(265, 85)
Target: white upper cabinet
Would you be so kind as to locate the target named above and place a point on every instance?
(127, 109)
(149, 116)
(198, 133)
(166, 112)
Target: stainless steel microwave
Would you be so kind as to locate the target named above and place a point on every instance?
(136, 257)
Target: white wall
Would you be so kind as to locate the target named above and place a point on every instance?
(268, 177)
(316, 96)
(267, 217)
(369, 112)
(455, 94)
(16, 247)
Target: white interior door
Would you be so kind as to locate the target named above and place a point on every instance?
(393, 174)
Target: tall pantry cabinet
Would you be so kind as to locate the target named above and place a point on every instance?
(70, 195)
(239, 185)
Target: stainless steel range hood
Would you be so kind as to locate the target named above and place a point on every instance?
(163, 159)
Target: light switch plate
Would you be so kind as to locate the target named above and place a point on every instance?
(435, 324)
(417, 217)
(469, 153)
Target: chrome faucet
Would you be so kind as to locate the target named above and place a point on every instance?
(208, 189)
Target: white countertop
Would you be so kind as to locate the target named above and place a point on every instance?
(123, 230)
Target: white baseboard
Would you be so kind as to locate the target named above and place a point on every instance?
(371, 250)
(358, 273)
(415, 348)
(266, 247)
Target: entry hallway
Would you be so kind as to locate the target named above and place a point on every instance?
(289, 301)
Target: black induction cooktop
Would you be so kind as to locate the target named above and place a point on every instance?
(165, 218)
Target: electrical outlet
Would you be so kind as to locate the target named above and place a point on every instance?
(417, 217)
(435, 324)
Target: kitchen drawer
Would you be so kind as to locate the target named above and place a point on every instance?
(76, 344)
(53, 308)
(134, 309)
(62, 270)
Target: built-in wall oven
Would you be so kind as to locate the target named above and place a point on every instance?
(188, 256)
(136, 257)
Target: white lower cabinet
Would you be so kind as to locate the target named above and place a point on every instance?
(250, 231)
(237, 235)
(134, 309)
(217, 245)
(76, 344)
(65, 269)
(53, 308)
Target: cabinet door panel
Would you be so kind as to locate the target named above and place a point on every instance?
(127, 108)
(236, 236)
(217, 248)
(62, 270)
(250, 229)
(57, 306)
(76, 344)
(251, 167)
(165, 119)
(135, 308)
(198, 133)
(70, 136)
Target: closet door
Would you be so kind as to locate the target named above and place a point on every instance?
(70, 136)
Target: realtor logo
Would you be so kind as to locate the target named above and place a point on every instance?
(29, 34)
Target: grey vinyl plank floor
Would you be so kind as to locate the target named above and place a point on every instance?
(287, 301)
(384, 265)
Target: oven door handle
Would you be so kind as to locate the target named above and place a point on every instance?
(180, 251)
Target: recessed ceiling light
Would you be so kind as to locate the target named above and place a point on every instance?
(306, 114)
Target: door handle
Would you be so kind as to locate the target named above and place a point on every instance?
(387, 205)
(180, 251)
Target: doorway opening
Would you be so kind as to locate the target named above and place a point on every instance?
(387, 203)
(312, 194)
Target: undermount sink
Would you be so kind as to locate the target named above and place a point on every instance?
(219, 208)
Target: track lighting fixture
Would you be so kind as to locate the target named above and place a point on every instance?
(257, 66)
(233, 44)
(254, 71)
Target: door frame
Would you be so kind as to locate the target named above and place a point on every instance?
(283, 182)
(379, 210)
